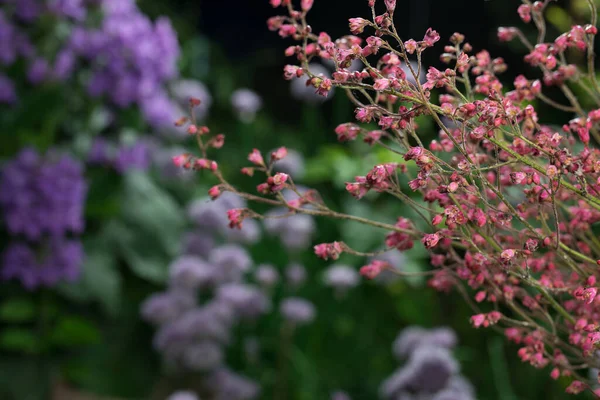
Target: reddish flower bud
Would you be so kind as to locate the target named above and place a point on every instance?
(181, 159)
(279, 154)
(370, 271)
(329, 250)
(256, 158)
(214, 192)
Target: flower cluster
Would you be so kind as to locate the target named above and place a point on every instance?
(194, 334)
(122, 158)
(127, 57)
(429, 370)
(42, 198)
(508, 204)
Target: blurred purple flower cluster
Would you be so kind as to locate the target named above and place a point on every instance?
(42, 199)
(429, 372)
(122, 158)
(126, 56)
(210, 292)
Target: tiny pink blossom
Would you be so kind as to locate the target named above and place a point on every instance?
(256, 158)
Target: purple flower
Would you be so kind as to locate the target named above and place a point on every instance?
(190, 272)
(64, 64)
(198, 244)
(8, 93)
(183, 395)
(54, 261)
(231, 262)
(203, 356)
(341, 277)
(266, 275)
(136, 156)
(43, 195)
(208, 215)
(161, 308)
(246, 104)
(183, 90)
(339, 395)
(297, 311)
(38, 71)
(413, 337)
(295, 274)
(101, 152)
(430, 369)
(246, 300)
(227, 385)
(68, 8)
(158, 109)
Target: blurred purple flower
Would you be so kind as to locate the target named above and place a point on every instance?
(101, 152)
(8, 93)
(295, 275)
(42, 194)
(135, 156)
(246, 104)
(297, 311)
(227, 385)
(413, 337)
(183, 395)
(38, 70)
(61, 260)
(161, 308)
(68, 8)
(246, 300)
(203, 356)
(342, 277)
(339, 395)
(231, 262)
(266, 275)
(191, 273)
(198, 244)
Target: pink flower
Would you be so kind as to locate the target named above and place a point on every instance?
(181, 160)
(279, 154)
(478, 320)
(431, 37)
(576, 387)
(236, 216)
(329, 250)
(256, 158)
(381, 84)
(370, 271)
(524, 11)
(306, 5)
(357, 25)
(391, 5)
(507, 255)
(430, 240)
(411, 46)
(214, 192)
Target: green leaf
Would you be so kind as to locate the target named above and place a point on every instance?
(73, 331)
(153, 210)
(141, 252)
(19, 339)
(17, 310)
